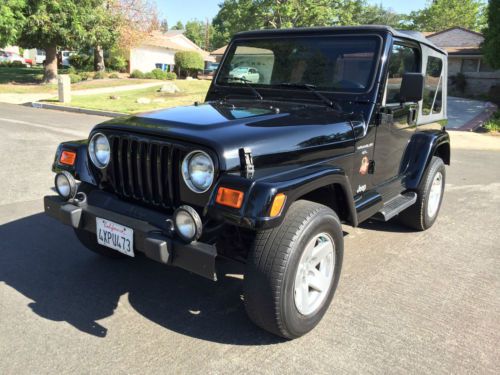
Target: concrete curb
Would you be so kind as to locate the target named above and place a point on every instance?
(479, 120)
(77, 110)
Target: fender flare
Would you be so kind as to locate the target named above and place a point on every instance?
(259, 195)
(419, 152)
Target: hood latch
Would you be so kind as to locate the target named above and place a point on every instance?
(246, 162)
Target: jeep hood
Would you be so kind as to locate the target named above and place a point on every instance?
(268, 129)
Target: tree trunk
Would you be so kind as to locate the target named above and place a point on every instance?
(50, 65)
(99, 59)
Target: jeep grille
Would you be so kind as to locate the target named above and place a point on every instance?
(141, 169)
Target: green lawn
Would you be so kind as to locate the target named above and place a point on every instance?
(27, 81)
(191, 91)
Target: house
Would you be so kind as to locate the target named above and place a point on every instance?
(465, 56)
(218, 53)
(158, 51)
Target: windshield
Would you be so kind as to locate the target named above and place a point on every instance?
(329, 63)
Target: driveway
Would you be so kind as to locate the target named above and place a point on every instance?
(462, 112)
(408, 302)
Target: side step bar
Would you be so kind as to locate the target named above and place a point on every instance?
(396, 205)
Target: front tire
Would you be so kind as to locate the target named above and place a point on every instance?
(293, 270)
(424, 212)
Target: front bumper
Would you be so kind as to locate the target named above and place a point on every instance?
(151, 233)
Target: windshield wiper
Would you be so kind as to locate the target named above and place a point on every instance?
(246, 83)
(312, 89)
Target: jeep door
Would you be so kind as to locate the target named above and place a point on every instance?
(396, 120)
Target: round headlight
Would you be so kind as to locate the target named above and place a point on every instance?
(187, 223)
(198, 171)
(65, 185)
(99, 150)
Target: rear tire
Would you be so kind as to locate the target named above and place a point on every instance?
(424, 212)
(287, 289)
(89, 240)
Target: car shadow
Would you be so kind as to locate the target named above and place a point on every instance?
(43, 260)
(385, 226)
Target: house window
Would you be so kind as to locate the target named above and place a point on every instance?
(403, 60)
(469, 65)
(433, 95)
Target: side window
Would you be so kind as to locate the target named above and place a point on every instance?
(433, 93)
(403, 59)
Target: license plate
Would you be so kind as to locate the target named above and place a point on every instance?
(115, 236)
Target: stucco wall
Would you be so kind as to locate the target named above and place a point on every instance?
(144, 58)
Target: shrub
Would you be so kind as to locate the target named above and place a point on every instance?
(171, 76)
(75, 78)
(137, 74)
(71, 70)
(85, 75)
(113, 76)
(81, 61)
(189, 62)
(493, 124)
(149, 75)
(99, 75)
(16, 64)
(459, 81)
(159, 74)
(118, 63)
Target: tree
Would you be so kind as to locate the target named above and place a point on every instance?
(491, 44)
(11, 20)
(444, 14)
(137, 19)
(178, 26)
(200, 33)
(52, 23)
(188, 61)
(101, 25)
(240, 15)
(164, 25)
(366, 14)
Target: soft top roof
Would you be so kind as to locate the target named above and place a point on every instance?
(405, 34)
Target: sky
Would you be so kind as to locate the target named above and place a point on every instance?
(185, 10)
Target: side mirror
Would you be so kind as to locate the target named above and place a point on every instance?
(412, 87)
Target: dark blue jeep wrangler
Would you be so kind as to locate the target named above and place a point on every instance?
(302, 130)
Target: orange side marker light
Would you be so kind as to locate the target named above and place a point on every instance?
(67, 158)
(229, 197)
(278, 204)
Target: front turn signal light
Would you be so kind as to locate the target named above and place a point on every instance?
(278, 203)
(67, 158)
(229, 197)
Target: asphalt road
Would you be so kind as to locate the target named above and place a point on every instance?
(407, 302)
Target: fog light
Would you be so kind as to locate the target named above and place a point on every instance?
(65, 185)
(187, 223)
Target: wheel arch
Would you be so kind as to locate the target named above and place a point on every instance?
(419, 152)
(324, 184)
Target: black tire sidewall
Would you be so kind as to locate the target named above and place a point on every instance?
(295, 323)
(436, 166)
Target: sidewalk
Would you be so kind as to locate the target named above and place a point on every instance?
(35, 97)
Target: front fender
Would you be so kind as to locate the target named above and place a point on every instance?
(422, 146)
(259, 195)
(81, 170)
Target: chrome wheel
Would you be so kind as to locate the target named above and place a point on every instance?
(435, 195)
(314, 274)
